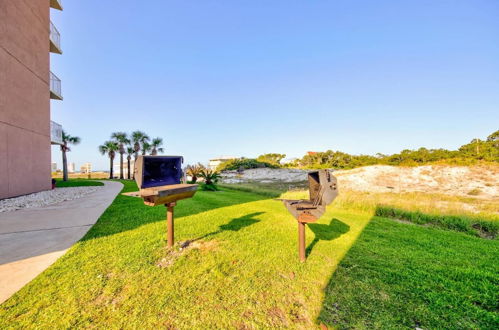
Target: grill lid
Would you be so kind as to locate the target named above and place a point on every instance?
(155, 171)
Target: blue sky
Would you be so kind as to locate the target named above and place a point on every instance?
(249, 77)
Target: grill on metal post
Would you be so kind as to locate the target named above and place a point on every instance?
(322, 192)
(159, 179)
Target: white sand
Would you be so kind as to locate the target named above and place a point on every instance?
(451, 180)
(44, 198)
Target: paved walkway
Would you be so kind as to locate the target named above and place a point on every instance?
(33, 239)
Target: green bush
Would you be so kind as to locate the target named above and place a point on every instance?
(209, 187)
(243, 163)
(272, 158)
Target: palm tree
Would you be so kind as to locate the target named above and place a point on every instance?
(130, 151)
(138, 138)
(156, 146)
(210, 176)
(146, 147)
(121, 138)
(66, 141)
(109, 148)
(194, 171)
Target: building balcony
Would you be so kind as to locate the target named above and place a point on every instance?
(55, 133)
(55, 40)
(56, 4)
(55, 87)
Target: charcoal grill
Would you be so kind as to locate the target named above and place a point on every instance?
(159, 179)
(322, 192)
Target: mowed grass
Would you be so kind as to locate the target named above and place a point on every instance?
(76, 183)
(242, 271)
(245, 272)
(407, 276)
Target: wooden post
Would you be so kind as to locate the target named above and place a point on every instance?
(301, 241)
(169, 222)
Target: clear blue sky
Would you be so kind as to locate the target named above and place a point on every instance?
(249, 77)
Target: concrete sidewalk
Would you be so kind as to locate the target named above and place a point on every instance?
(33, 239)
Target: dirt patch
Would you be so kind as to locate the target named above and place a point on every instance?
(182, 248)
(277, 317)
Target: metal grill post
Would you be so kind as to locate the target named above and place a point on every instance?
(301, 241)
(169, 222)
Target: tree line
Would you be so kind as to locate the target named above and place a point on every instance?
(475, 150)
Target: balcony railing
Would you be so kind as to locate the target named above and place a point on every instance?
(55, 133)
(55, 87)
(55, 40)
(56, 4)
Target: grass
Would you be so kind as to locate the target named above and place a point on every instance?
(93, 175)
(245, 272)
(270, 189)
(474, 216)
(469, 225)
(406, 276)
(77, 183)
(242, 271)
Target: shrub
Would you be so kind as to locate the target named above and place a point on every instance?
(474, 192)
(243, 163)
(194, 171)
(272, 158)
(209, 187)
(211, 178)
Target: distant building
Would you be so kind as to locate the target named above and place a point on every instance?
(288, 160)
(86, 168)
(71, 168)
(54, 167)
(213, 164)
(116, 168)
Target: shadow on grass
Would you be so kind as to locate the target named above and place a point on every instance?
(127, 213)
(324, 232)
(235, 224)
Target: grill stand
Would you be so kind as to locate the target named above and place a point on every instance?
(301, 241)
(169, 223)
(323, 190)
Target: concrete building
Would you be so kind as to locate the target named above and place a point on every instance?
(71, 167)
(116, 168)
(86, 168)
(26, 86)
(213, 164)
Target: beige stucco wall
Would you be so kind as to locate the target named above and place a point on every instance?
(24, 97)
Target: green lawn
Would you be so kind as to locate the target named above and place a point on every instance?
(242, 271)
(404, 275)
(77, 183)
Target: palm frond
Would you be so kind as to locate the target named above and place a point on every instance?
(120, 137)
(109, 147)
(68, 139)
